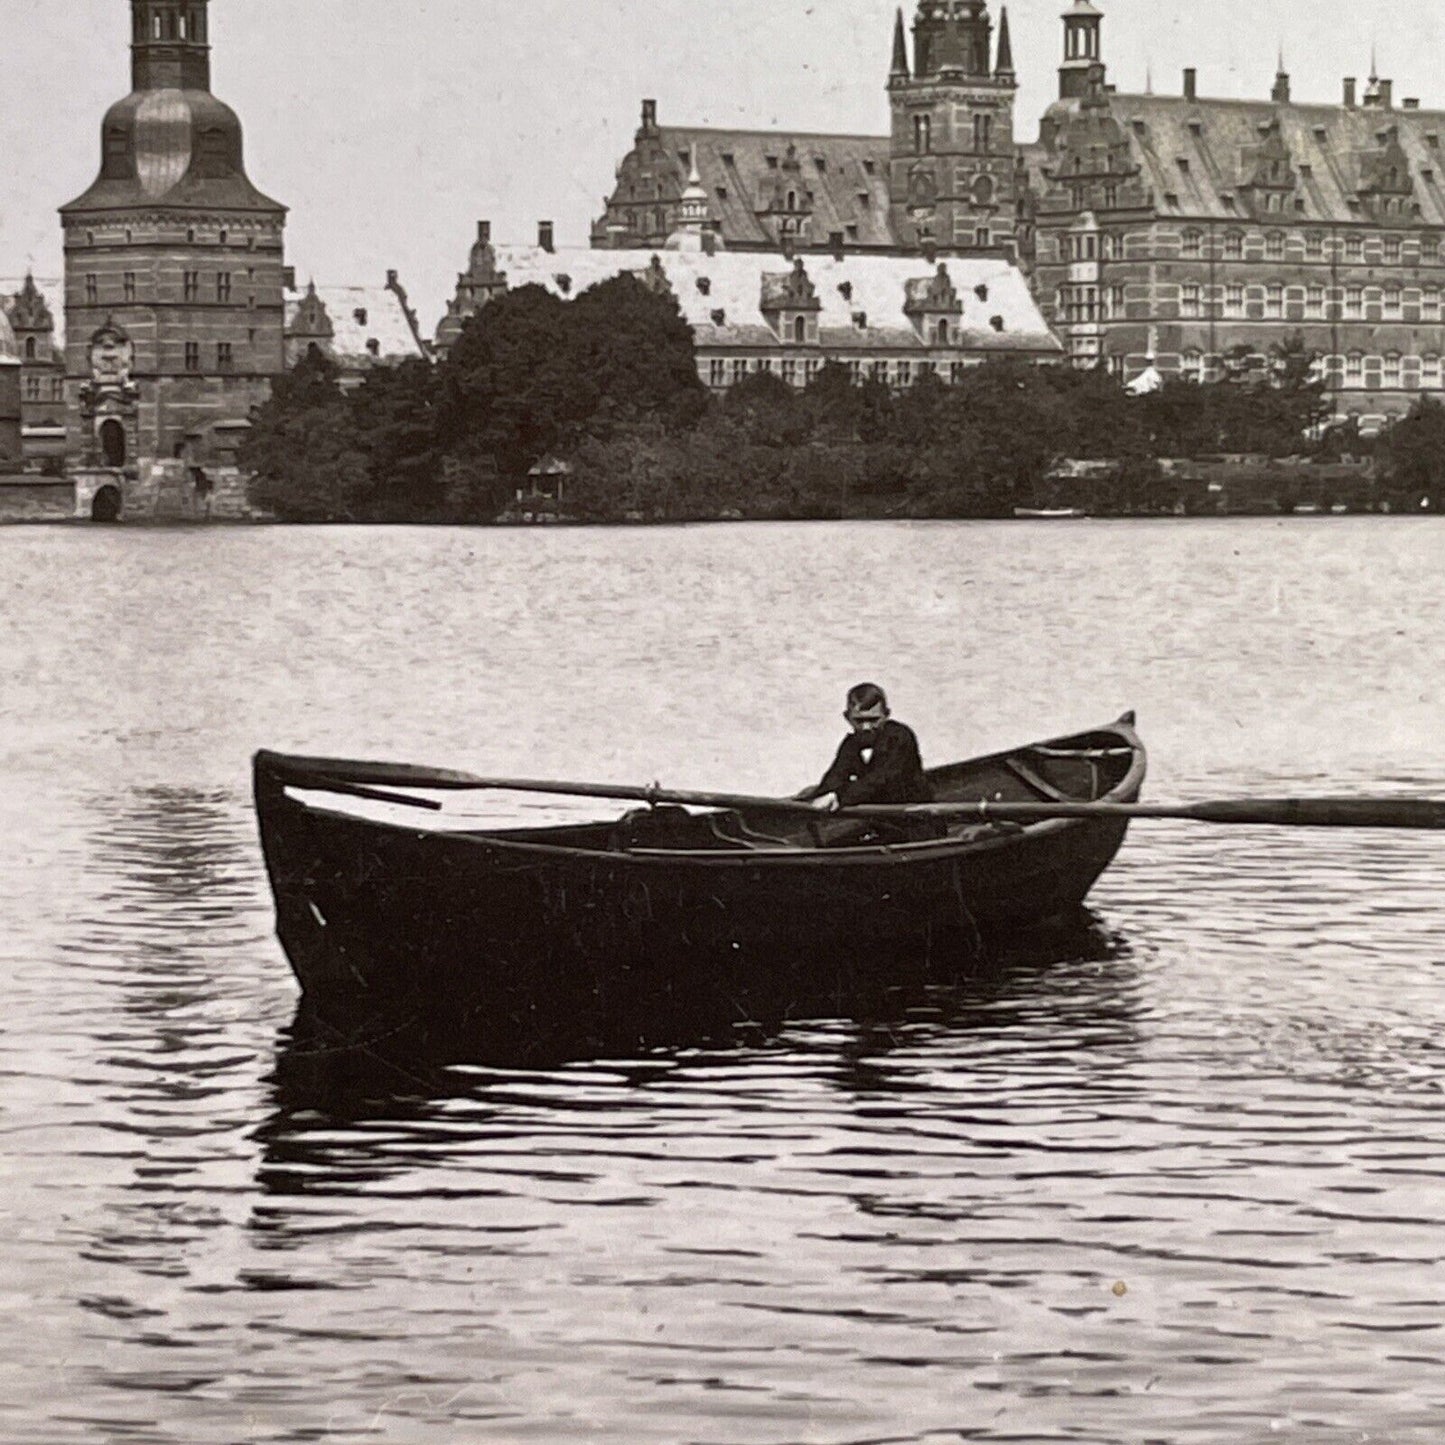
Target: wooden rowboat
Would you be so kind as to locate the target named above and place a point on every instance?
(665, 902)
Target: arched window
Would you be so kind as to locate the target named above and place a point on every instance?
(30, 348)
(792, 202)
(922, 134)
(800, 329)
(943, 333)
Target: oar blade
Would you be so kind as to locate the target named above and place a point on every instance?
(1421, 813)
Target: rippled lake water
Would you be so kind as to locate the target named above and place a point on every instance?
(1176, 1176)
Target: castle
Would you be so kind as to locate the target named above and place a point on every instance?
(1179, 234)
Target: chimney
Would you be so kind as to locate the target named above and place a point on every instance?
(1349, 92)
(545, 237)
(1411, 102)
(1191, 83)
(393, 280)
(484, 233)
(1387, 95)
(649, 116)
(288, 277)
(835, 244)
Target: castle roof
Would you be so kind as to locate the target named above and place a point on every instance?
(359, 325)
(1196, 155)
(840, 181)
(860, 299)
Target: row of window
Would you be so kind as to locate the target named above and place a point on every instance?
(191, 287)
(1231, 246)
(225, 356)
(1351, 302)
(795, 371)
(1391, 372)
(923, 133)
(44, 388)
(188, 24)
(1080, 304)
(193, 237)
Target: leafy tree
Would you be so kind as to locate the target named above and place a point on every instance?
(395, 415)
(302, 453)
(1413, 453)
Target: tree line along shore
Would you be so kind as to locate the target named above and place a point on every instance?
(605, 388)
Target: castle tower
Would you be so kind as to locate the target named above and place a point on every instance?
(952, 176)
(173, 251)
(1082, 72)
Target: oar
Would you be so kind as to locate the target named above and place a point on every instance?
(1376, 812)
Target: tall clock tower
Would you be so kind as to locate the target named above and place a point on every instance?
(173, 259)
(953, 182)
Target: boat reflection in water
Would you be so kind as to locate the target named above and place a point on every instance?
(1072, 980)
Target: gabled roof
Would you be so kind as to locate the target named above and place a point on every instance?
(359, 315)
(730, 285)
(51, 290)
(842, 180)
(1332, 150)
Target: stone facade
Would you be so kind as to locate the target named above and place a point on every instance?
(176, 250)
(944, 178)
(1202, 233)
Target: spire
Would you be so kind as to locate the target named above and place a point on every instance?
(1005, 67)
(169, 48)
(1280, 94)
(900, 48)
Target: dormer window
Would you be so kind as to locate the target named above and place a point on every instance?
(860, 320)
(772, 162)
(941, 336)
(996, 322)
(822, 164)
(800, 329)
(845, 290)
(704, 284)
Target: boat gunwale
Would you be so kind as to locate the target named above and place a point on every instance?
(922, 850)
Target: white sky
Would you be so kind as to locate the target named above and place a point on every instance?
(390, 128)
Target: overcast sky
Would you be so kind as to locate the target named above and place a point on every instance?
(389, 128)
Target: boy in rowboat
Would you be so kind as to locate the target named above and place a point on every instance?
(878, 762)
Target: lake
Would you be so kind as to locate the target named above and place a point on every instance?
(1178, 1180)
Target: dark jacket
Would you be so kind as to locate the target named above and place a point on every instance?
(894, 774)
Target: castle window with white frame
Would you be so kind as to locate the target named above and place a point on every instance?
(1192, 244)
(1430, 372)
